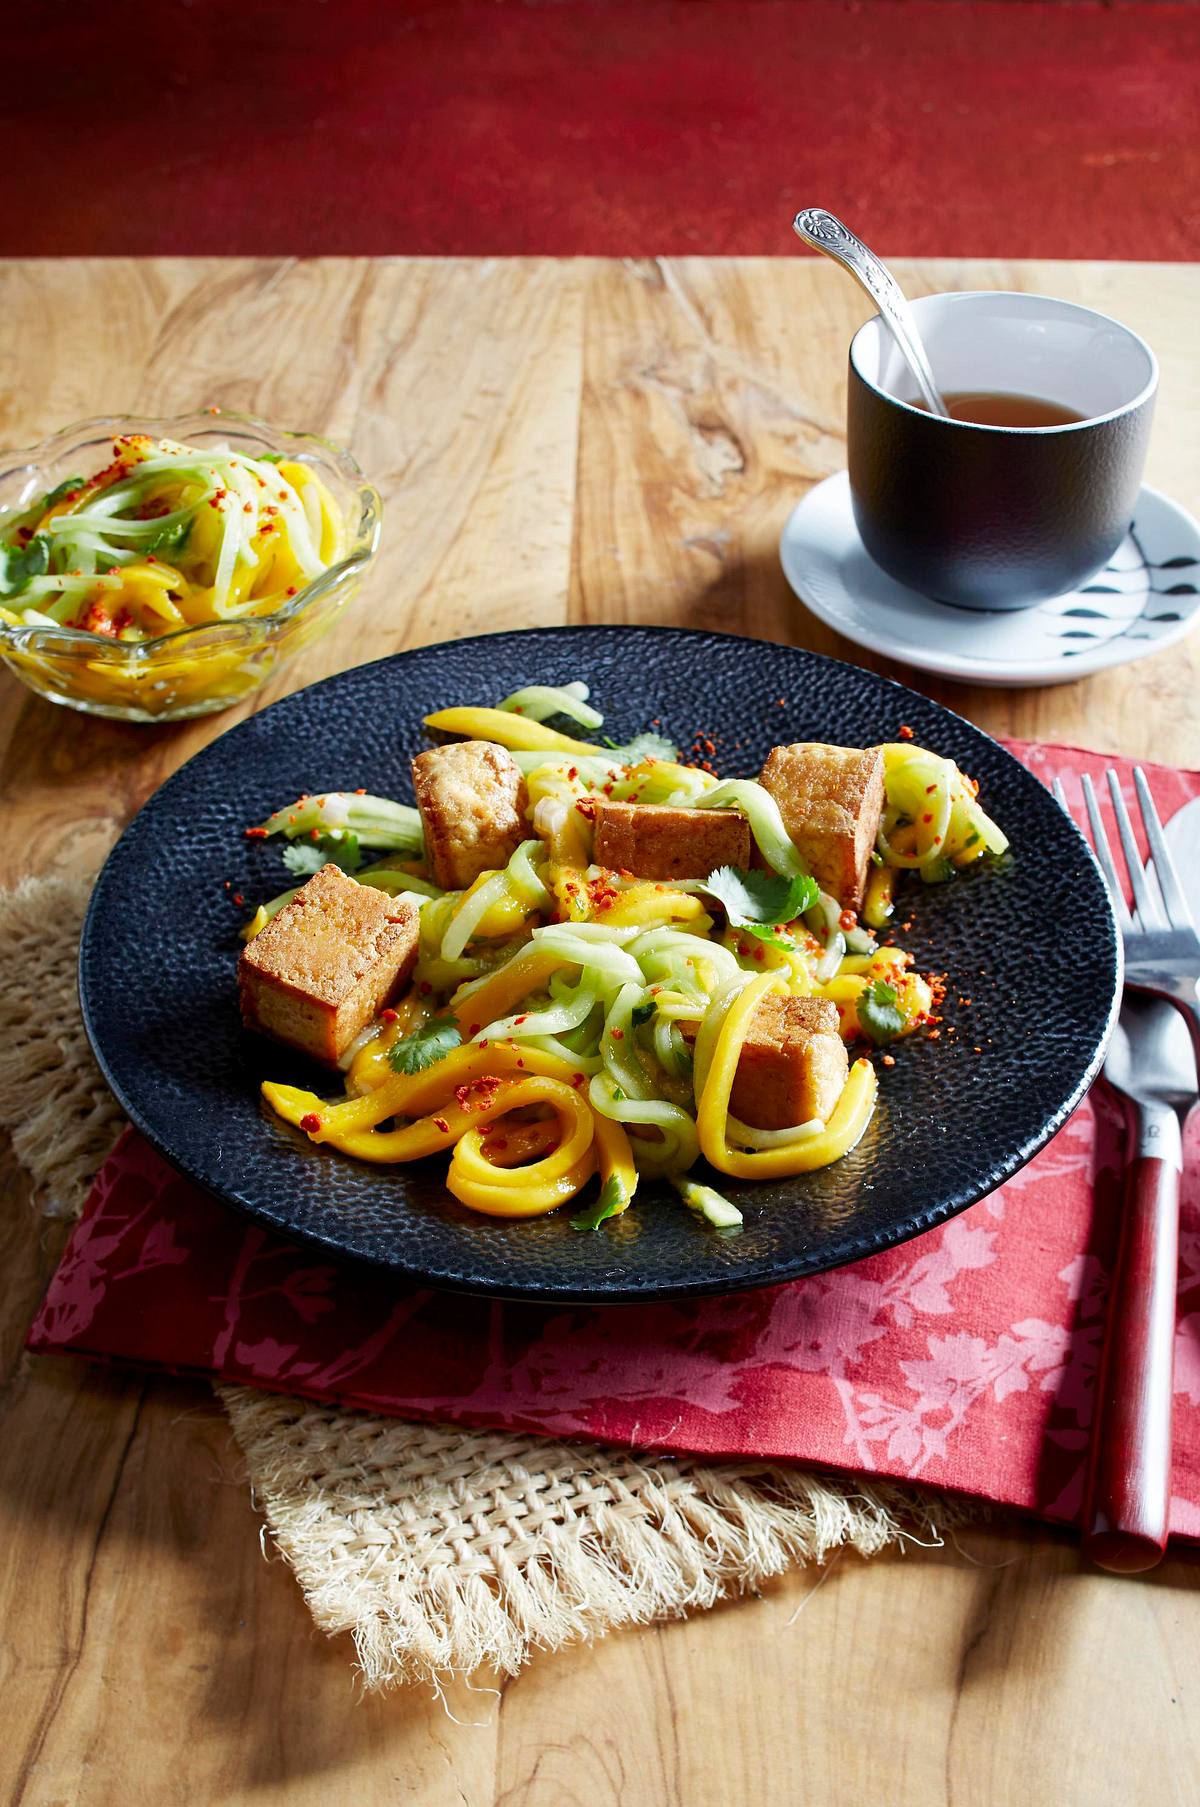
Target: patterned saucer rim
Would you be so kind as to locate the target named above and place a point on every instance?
(802, 553)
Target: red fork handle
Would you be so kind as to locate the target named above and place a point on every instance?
(1129, 1477)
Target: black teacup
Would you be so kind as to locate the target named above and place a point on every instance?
(995, 517)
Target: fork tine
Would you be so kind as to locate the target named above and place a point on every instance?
(1179, 914)
(1145, 909)
(1103, 854)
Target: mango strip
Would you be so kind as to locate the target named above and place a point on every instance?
(494, 999)
(437, 1131)
(516, 732)
(850, 1117)
(533, 1201)
(413, 1094)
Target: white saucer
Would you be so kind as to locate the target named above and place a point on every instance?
(1147, 597)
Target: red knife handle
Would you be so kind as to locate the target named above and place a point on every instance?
(1129, 1478)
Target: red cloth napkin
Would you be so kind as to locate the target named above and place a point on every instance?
(965, 1358)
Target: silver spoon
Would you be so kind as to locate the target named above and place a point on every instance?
(824, 232)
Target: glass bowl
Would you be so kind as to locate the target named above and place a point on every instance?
(191, 670)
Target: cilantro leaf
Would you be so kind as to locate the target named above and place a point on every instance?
(878, 1013)
(610, 1201)
(428, 1043)
(18, 565)
(643, 1012)
(341, 848)
(61, 491)
(753, 901)
(169, 539)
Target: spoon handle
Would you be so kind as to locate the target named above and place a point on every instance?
(826, 233)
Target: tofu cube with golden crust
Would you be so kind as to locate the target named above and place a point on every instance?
(327, 964)
(793, 1064)
(831, 799)
(471, 796)
(654, 841)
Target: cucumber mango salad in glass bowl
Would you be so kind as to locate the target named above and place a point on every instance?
(575, 961)
(152, 570)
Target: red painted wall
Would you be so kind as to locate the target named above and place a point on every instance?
(1016, 127)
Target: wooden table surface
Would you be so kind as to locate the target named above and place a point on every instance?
(555, 441)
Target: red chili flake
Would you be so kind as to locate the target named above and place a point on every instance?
(847, 920)
(291, 590)
(441, 1123)
(760, 953)
(889, 1060)
(586, 808)
(389, 1016)
(937, 840)
(310, 1122)
(247, 508)
(518, 1020)
(314, 834)
(483, 1044)
(282, 494)
(497, 1145)
(904, 731)
(361, 791)
(618, 1035)
(238, 898)
(929, 789)
(577, 1079)
(573, 771)
(927, 818)
(424, 988)
(256, 834)
(520, 1063)
(151, 558)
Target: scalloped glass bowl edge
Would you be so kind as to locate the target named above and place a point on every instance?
(194, 670)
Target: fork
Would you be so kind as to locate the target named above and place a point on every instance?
(1162, 948)
(1126, 1504)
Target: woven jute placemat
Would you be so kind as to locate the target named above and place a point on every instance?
(440, 1550)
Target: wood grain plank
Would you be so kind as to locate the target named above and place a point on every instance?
(620, 442)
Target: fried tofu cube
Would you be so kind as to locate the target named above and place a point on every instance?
(654, 841)
(324, 967)
(471, 796)
(831, 799)
(793, 1064)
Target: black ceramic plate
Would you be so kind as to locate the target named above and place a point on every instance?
(1031, 943)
